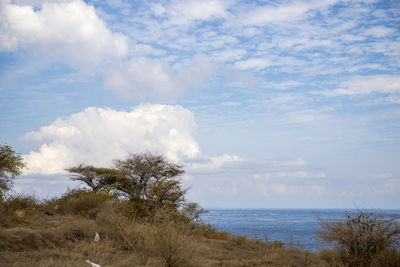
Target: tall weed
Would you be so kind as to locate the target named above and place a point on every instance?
(175, 248)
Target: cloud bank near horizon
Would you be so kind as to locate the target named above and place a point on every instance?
(96, 136)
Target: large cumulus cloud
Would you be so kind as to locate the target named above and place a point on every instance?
(99, 135)
(69, 32)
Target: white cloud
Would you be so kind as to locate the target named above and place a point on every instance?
(352, 37)
(287, 63)
(186, 12)
(293, 11)
(69, 32)
(366, 66)
(284, 189)
(299, 174)
(379, 31)
(214, 163)
(253, 63)
(289, 163)
(285, 85)
(365, 85)
(230, 54)
(291, 189)
(99, 135)
(150, 78)
(394, 99)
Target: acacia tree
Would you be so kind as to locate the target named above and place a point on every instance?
(142, 178)
(11, 165)
(95, 178)
(150, 178)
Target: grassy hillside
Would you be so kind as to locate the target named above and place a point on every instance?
(136, 214)
(60, 232)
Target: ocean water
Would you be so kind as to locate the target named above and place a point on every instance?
(291, 226)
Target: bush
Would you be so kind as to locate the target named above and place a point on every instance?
(174, 247)
(12, 209)
(207, 231)
(364, 239)
(192, 211)
(82, 202)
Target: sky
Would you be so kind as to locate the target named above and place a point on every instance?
(266, 104)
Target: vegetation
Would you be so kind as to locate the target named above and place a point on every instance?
(139, 211)
(364, 239)
(61, 231)
(11, 165)
(147, 179)
(95, 178)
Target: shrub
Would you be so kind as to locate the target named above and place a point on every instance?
(126, 232)
(173, 247)
(82, 202)
(207, 231)
(20, 202)
(192, 211)
(77, 229)
(12, 208)
(364, 239)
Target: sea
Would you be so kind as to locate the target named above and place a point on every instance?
(296, 228)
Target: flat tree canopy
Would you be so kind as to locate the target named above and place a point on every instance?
(143, 178)
(95, 178)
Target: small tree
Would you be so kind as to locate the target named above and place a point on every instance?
(95, 178)
(143, 178)
(11, 165)
(363, 239)
(150, 178)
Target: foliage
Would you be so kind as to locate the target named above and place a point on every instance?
(192, 211)
(63, 236)
(151, 225)
(11, 165)
(173, 247)
(81, 202)
(150, 177)
(146, 179)
(363, 239)
(165, 192)
(12, 209)
(95, 178)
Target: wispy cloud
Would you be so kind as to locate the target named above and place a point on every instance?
(312, 85)
(365, 85)
(145, 78)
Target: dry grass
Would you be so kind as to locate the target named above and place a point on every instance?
(38, 234)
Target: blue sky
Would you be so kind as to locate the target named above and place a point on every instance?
(267, 104)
